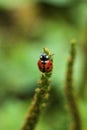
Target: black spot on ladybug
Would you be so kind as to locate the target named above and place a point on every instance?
(47, 68)
(50, 63)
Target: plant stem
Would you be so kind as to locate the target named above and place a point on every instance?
(83, 85)
(71, 99)
(39, 101)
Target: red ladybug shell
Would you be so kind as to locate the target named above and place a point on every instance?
(46, 66)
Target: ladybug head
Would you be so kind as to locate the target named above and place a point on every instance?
(44, 57)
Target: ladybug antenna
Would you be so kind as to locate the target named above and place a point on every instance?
(51, 56)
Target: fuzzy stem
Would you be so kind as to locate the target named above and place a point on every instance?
(83, 84)
(76, 122)
(39, 101)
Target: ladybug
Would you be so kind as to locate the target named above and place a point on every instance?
(45, 63)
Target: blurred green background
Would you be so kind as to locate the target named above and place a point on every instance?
(26, 27)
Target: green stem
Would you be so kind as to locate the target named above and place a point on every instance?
(71, 100)
(39, 101)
